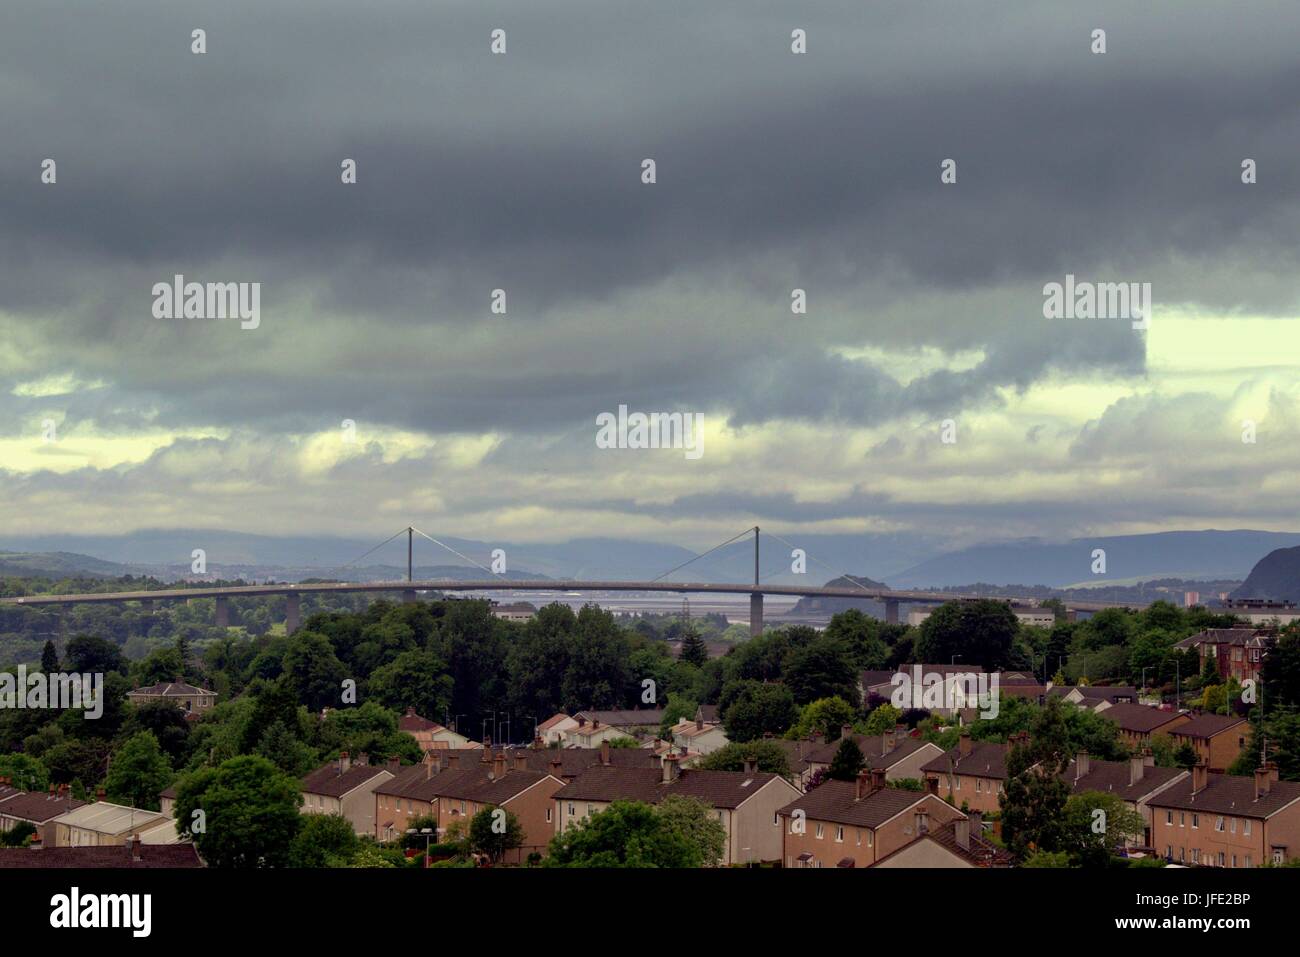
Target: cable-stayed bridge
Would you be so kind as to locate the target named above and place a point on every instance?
(409, 588)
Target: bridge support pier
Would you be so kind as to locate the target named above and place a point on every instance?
(891, 611)
(755, 614)
(223, 612)
(408, 596)
(292, 613)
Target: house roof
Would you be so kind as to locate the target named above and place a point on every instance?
(692, 729)
(635, 718)
(873, 749)
(1228, 794)
(1107, 692)
(107, 818)
(171, 689)
(411, 722)
(478, 785)
(837, 802)
(1112, 777)
(330, 782)
(987, 759)
(1219, 636)
(978, 852)
(558, 718)
(104, 856)
(1139, 718)
(38, 808)
(721, 789)
(1208, 725)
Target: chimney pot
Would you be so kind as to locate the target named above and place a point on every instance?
(964, 746)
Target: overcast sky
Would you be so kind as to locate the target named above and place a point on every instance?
(775, 171)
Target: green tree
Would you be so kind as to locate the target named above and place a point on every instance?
(824, 668)
(884, 718)
(755, 708)
(847, 761)
(625, 834)
(49, 658)
(826, 716)
(1033, 803)
(1098, 824)
(698, 823)
(323, 840)
(981, 632)
(313, 671)
(694, 650)
(138, 772)
(494, 832)
(414, 679)
(767, 755)
(250, 813)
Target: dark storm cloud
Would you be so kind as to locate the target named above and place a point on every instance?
(521, 172)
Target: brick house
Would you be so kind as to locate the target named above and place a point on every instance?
(972, 775)
(1135, 781)
(1222, 820)
(1217, 739)
(193, 701)
(746, 802)
(1236, 652)
(957, 844)
(898, 754)
(501, 783)
(346, 788)
(1138, 723)
(431, 735)
(857, 823)
(38, 810)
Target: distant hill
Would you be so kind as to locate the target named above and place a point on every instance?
(58, 565)
(816, 607)
(1276, 575)
(1196, 556)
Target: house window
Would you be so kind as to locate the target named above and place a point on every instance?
(819, 832)
(1196, 820)
(548, 815)
(1169, 817)
(1196, 855)
(1277, 855)
(1218, 823)
(1245, 829)
(570, 809)
(1182, 819)
(1232, 825)
(1182, 855)
(1221, 859)
(1248, 860)
(839, 835)
(1169, 852)
(979, 786)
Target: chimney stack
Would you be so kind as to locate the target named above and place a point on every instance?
(135, 847)
(963, 746)
(538, 743)
(699, 724)
(961, 828)
(845, 731)
(453, 762)
(1263, 781)
(862, 785)
(878, 779)
(498, 766)
(671, 764)
(1137, 767)
(922, 818)
(1082, 765)
(976, 822)
(1200, 776)
(751, 766)
(345, 762)
(557, 768)
(889, 740)
(604, 752)
(521, 760)
(100, 794)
